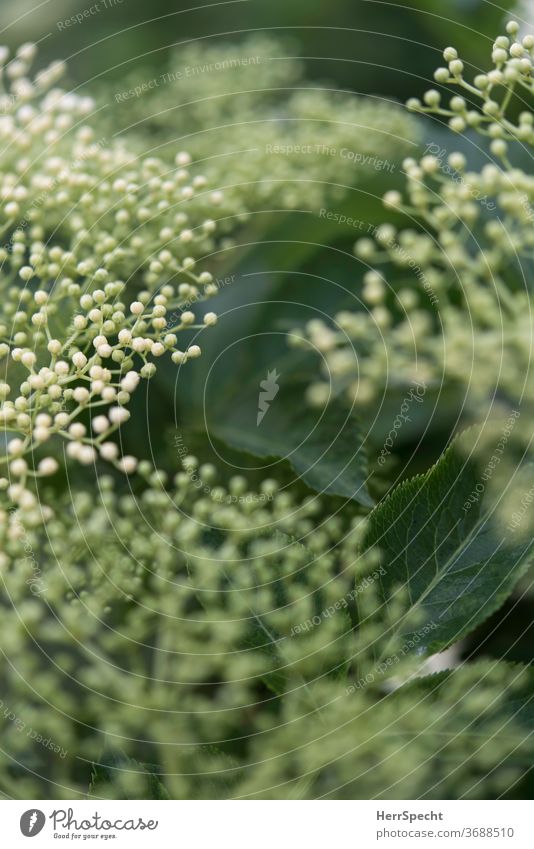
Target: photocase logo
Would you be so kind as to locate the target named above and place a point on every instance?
(32, 822)
(269, 388)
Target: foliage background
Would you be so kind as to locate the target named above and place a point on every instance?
(360, 47)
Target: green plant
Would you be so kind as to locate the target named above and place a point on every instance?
(238, 643)
(198, 634)
(99, 272)
(452, 307)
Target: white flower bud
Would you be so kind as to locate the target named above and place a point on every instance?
(127, 464)
(182, 158)
(48, 466)
(392, 199)
(18, 467)
(15, 446)
(61, 368)
(41, 434)
(109, 451)
(77, 430)
(118, 415)
(54, 347)
(100, 424)
(26, 272)
(73, 450)
(80, 322)
(79, 360)
(81, 395)
(86, 455)
(28, 358)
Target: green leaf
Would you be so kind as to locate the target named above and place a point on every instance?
(446, 547)
(267, 415)
(219, 393)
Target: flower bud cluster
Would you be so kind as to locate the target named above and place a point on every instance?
(488, 95)
(186, 615)
(191, 575)
(445, 299)
(98, 268)
(278, 143)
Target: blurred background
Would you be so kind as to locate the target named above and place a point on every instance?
(369, 47)
(363, 45)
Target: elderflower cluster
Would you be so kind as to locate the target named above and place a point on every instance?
(175, 616)
(280, 143)
(512, 72)
(445, 300)
(98, 269)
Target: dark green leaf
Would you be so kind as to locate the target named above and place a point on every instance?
(267, 415)
(442, 541)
